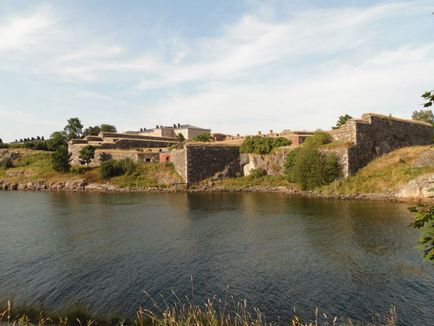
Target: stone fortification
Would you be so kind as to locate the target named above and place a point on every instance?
(117, 146)
(374, 135)
(197, 162)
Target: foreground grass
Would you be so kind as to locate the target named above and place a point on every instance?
(388, 173)
(179, 314)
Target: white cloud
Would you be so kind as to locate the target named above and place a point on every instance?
(23, 31)
(266, 70)
(314, 102)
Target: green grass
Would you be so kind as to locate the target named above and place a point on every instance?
(36, 166)
(181, 313)
(249, 182)
(149, 175)
(386, 174)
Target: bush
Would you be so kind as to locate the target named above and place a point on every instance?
(113, 168)
(262, 145)
(87, 154)
(310, 168)
(319, 138)
(41, 146)
(3, 145)
(61, 160)
(78, 169)
(6, 163)
(205, 137)
(257, 173)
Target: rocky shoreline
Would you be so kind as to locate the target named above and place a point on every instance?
(82, 186)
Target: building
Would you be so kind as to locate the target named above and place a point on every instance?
(187, 131)
(296, 137)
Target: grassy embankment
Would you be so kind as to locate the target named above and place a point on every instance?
(35, 166)
(179, 314)
(388, 173)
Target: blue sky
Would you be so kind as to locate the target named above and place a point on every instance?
(233, 66)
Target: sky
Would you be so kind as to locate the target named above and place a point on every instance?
(232, 66)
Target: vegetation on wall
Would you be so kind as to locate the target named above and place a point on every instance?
(262, 145)
(205, 137)
(95, 130)
(423, 115)
(319, 138)
(342, 120)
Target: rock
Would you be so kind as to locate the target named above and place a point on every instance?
(421, 188)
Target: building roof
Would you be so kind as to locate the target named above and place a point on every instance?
(189, 127)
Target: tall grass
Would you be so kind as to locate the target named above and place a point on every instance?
(182, 313)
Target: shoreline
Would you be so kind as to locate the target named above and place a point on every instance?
(84, 187)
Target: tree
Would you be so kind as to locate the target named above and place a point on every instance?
(429, 97)
(91, 131)
(57, 139)
(108, 128)
(423, 115)
(342, 120)
(74, 128)
(424, 219)
(180, 137)
(87, 154)
(61, 160)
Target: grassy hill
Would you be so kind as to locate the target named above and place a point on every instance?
(33, 166)
(388, 173)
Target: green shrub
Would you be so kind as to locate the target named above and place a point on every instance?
(113, 168)
(6, 163)
(257, 173)
(205, 137)
(262, 145)
(319, 138)
(3, 145)
(87, 154)
(41, 145)
(61, 160)
(289, 164)
(310, 168)
(79, 169)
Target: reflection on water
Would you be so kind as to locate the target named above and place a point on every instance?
(103, 250)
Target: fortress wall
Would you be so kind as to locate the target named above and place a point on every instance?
(179, 159)
(375, 135)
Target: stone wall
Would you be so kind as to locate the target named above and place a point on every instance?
(272, 164)
(198, 162)
(179, 159)
(102, 154)
(375, 135)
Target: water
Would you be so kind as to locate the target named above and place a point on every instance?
(103, 250)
